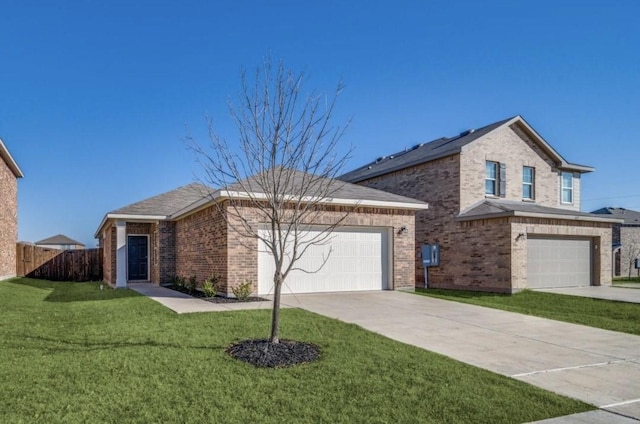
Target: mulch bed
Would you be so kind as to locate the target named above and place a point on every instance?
(264, 354)
(215, 299)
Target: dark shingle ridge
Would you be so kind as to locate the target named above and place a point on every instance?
(420, 153)
(629, 216)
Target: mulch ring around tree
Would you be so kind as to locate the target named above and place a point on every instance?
(214, 299)
(264, 354)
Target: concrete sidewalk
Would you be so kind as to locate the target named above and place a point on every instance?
(622, 294)
(182, 303)
(597, 366)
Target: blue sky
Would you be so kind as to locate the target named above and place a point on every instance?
(95, 96)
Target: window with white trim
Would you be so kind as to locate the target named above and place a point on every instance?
(495, 179)
(567, 187)
(528, 182)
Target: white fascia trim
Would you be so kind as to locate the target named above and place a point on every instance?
(127, 217)
(13, 166)
(221, 195)
(329, 201)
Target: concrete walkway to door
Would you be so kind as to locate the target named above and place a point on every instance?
(597, 366)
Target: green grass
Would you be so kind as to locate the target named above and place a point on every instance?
(72, 353)
(633, 282)
(600, 313)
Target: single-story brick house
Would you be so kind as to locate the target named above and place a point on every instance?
(504, 209)
(625, 239)
(9, 174)
(183, 233)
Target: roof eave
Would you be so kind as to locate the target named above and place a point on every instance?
(128, 217)
(11, 163)
(405, 166)
(538, 215)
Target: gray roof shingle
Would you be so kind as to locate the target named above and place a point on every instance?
(420, 153)
(59, 239)
(629, 216)
(510, 208)
(166, 204)
(336, 188)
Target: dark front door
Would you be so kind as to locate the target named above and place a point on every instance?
(138, 262)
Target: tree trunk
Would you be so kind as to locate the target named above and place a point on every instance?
(275, 313)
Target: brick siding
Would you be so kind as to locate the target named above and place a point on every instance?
(630, 240)
(8, 221)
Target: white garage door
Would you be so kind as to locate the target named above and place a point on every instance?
(357, 260)
(558, 262)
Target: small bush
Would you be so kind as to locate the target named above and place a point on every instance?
(243, 291)
(210, 286)
(178, 281)
(193, 283)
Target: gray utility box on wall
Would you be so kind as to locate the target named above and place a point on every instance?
(430, 255)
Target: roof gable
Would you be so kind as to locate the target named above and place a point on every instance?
(8, 159)
(443, 147)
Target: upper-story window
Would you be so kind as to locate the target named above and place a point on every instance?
(491, 178)
(567, 187)
(495, 179)
(528, 182)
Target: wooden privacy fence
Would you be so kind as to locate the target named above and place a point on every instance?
(58, 265)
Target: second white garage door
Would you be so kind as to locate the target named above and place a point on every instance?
(358, 259)
(558, 262)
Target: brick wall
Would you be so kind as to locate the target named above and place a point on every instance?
(8, 221)
(108, 244)
(201, 245)
(205, 243)
(630, 240)
(512, 147)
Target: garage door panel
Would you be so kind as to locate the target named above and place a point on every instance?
(354, 261)
(556, 262)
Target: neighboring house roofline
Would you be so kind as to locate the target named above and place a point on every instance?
(11, 163)
(59, 239)
(631, 218)
(443, 147)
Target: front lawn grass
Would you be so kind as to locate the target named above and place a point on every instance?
(72, 353)
(599, 313)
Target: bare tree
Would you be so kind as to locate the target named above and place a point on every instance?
(633, 252)
(284, 165)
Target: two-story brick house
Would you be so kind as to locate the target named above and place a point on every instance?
(504, 206)
(625, 240)
(9, 174)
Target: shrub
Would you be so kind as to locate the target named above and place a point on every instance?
(243, 291)
(178, 282)
(210, 285)
(193, 283)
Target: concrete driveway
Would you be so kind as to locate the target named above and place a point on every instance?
(597, 366)
(622, 294)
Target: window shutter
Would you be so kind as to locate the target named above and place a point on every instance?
(503, 179)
